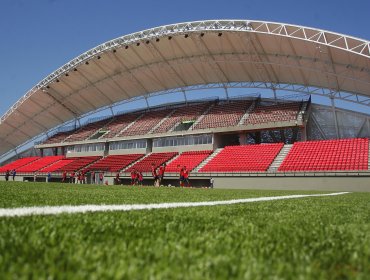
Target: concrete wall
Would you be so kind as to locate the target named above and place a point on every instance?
(85, 154)
(127, 151)
(356, 184)
(352, 184)
(181, 149)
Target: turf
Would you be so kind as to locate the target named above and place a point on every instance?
(322, 237)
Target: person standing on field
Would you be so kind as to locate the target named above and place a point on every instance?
(155, 176)
(140, 178)
(64, 177)
(101, 178)
(181, 176)
(72, 177)
(162, 169)
(7, 174)
(211, 182)
(93, 177)
(186, 176)
(13, 174)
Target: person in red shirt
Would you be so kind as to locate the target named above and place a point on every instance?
(72, 177)
(162, 169)
(93, 177)
(101, 177)
(133, 177)
(83, 177)
(186, 176)
(181, 176)
(140, 178)
(64, 176)
(117, 180)
(155, 175)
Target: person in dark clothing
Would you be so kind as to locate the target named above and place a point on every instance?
(7, 174)
(13, 174)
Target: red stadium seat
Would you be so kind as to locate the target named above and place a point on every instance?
(327, 155)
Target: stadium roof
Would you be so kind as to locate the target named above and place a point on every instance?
(179, 56)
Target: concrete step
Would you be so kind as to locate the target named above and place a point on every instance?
(163, 120)
(204, 162)
(247, 112)
(202, 116)
(131, 124)
(279, 158)
(132, 164)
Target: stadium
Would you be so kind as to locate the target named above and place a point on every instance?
(293, 138)
(266, 125)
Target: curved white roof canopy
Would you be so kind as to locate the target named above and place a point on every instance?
(187, 54)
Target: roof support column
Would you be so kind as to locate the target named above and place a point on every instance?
(111, 110)
(16, 153)
(274, 91)
(226, 93)
(146, 100)
(186, 99)
(335, 116)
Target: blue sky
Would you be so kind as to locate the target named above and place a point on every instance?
(39, 36)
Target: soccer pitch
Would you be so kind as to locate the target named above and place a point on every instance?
(312, 237)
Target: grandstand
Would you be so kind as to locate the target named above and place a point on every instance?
(237, 139)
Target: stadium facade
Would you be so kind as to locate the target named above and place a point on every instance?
(186, 57)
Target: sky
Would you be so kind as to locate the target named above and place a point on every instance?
(39, 36)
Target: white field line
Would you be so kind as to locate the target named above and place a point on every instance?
(69, 209)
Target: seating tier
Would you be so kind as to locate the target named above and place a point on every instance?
(327, 155)
(273, 113)
(189, 159)
(224, 114)
(245, 158)
(114, 163)
(39, 164)
(157, 159)
(17, 164)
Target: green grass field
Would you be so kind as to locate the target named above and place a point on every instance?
(306, 238)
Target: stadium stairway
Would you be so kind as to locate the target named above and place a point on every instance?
(203, 163)
(85, 167)
(202, 116)
(247, 112)
(128, 126)
(134, 162)
(162, 121)
(279, 158)
(172, 159)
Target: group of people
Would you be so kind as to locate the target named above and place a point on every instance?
(98, 178)
(9, 173)
(158, 174)
(81, 177)
(136, 177)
